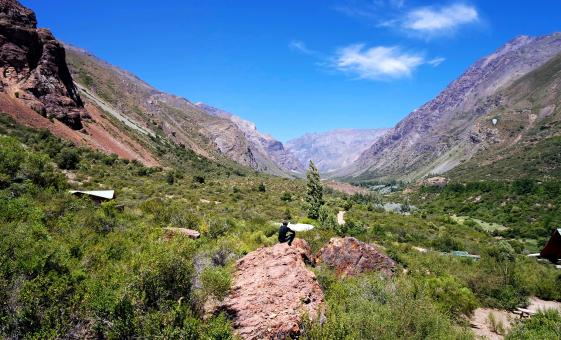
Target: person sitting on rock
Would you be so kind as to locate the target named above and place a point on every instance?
(286, 234)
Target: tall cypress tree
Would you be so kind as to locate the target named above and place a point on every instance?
(314, 198)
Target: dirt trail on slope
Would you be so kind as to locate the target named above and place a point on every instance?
(482, 326)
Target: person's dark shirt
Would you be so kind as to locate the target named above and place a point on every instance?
(283, 231)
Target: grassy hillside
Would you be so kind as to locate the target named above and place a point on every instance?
(69, 268)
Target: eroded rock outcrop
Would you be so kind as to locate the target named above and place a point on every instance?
(349, 256)
(33, 66)
(273, 291)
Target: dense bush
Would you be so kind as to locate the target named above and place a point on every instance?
(68, 159)
(546, 325)
(368, 307)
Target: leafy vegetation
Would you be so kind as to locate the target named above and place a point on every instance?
(71, 267)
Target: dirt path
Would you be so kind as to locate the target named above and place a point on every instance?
(341, 217)
(482, 326)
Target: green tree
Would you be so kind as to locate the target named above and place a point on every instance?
(68, 159)
(314, 198)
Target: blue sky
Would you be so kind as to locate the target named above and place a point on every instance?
(295, 66)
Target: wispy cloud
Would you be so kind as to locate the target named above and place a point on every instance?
(425, 22)
(436, 61)
(375, 63)
(368, 8)
(442, 20)
(300, 46)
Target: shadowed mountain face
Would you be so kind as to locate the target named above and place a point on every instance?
(33, 68)
(445, 132)
(335, 149)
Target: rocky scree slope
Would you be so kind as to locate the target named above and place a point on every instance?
(522, 137)
(165, 116)
(33, 68)
(335, 149)
(441, 134)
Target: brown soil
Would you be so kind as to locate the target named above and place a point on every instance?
(98, 133)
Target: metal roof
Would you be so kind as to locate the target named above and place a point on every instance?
(108, 194)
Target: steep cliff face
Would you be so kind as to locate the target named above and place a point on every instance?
(335, 149)
(33, 69)
(263, 144)
(440, 135)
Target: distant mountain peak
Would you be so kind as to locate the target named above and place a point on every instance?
(334, 149)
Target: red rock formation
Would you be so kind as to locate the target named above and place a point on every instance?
(33, 66)
(272, 291)
(350, 256)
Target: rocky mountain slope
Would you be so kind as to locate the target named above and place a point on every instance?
(33, 67)
(161, 115)
(103, 107)
(335, 149)
(263, 143)
(445, 132)
(36, 89)
(522, 138)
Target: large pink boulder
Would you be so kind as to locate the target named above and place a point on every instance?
(349, 256)
(272, 291)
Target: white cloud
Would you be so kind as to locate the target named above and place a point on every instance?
(434, 21)
(376, 62)
(436, 61)
(300, 46)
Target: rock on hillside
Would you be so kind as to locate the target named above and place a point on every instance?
(440, 134)
(271, 292)
(349, 256)
(33, 67)
(335, 149)
(262, 143)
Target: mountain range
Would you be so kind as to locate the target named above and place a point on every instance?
(503, 111)
(335, 149)
(457, 125)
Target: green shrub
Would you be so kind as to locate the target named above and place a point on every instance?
(286, 197)
(451, 295)
(544, 325)
(216, 282)
(68, 159)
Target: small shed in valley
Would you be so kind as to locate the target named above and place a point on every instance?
(552, 249)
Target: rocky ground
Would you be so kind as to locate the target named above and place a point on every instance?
(272, 290)
(349, 256)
